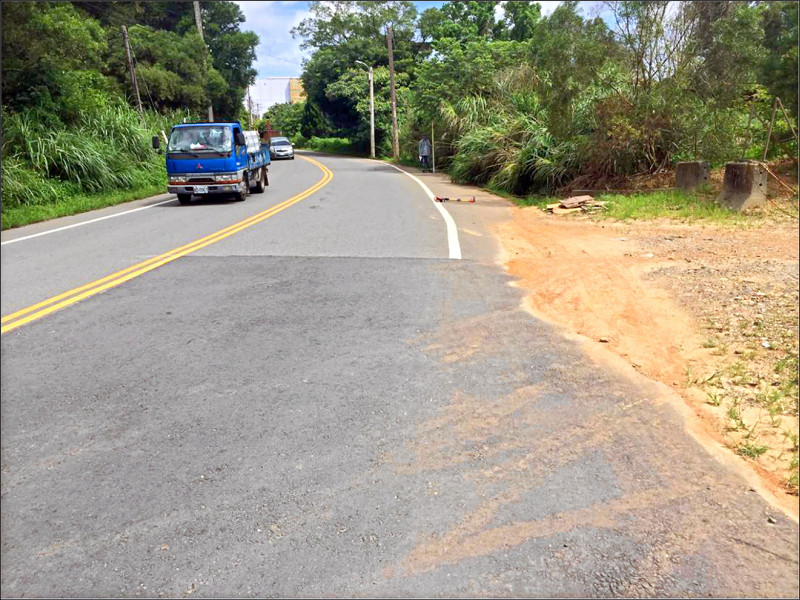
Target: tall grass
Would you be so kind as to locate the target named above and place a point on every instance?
(46, 162)
(503, 141)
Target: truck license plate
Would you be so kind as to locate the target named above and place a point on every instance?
(201, 189)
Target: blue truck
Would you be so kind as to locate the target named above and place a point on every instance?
(212, 159)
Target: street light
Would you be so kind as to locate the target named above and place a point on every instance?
(371, 111)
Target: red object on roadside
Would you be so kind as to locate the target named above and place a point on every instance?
(444, 199)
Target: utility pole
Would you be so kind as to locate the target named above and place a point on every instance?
(395, 142)
(250, 107)
(371, 116)
(198, 20)
(132, 69)
(433, 151)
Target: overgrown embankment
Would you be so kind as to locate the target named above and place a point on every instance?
(52, 169)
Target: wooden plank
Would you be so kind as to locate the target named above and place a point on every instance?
(575, 201)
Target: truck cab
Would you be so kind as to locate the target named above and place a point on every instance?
(207, 159)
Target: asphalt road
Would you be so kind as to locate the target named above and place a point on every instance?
(324, 404)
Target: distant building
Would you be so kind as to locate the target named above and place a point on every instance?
(268, 91)
(296, 91)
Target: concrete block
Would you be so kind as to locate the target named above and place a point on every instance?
(745, 186)
(690, 175)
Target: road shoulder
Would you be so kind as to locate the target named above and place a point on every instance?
(632, 294)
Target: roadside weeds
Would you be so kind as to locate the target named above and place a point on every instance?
(19, 216)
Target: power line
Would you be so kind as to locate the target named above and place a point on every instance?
(278, 58)
(117, 20)
(144, 81)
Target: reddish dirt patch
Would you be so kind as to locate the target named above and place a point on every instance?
(662, 297)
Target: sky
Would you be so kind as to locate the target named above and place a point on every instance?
(278, 55)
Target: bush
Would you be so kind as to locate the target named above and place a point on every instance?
(332, 145)
(502, 139)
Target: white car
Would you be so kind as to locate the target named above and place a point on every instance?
(281, 147)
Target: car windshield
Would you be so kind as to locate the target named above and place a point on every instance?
(282, 143)
(200, 139)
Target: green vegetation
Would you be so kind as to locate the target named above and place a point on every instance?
(524, 104)
(714, 399)
(789, 375)
(527, 104)
(73, 204)
(71, 139)
(794, 477)
(751, 449)
(286, 118)
(672, 204)
(60, 170)
(332, 145)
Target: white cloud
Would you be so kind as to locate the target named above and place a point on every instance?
(499, 12)
(278, 54)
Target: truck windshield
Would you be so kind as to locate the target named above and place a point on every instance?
(203, 138)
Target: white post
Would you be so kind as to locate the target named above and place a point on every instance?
(371, 116)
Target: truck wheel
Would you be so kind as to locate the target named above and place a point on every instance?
(242, 196)
(184, 198)
(261, 183)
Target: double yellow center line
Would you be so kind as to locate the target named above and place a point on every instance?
(41, 309)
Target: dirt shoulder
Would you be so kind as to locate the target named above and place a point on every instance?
(711, 312)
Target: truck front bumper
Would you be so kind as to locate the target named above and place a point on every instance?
(213, 188)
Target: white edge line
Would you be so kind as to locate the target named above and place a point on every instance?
(33, 235)
(452, 231)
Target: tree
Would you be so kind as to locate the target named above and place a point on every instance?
(170, 74)
(570, 54)
(233, 52)
(177, 16)
(313, 122)
(466, 21)
(460, 70)
(343, 32)
(779, 66)
(286, 118)
(49, 47)
(725, 50)
(353, 86)
(521, 19)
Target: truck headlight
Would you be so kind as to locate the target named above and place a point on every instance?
(177, 179)
(227, 178)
